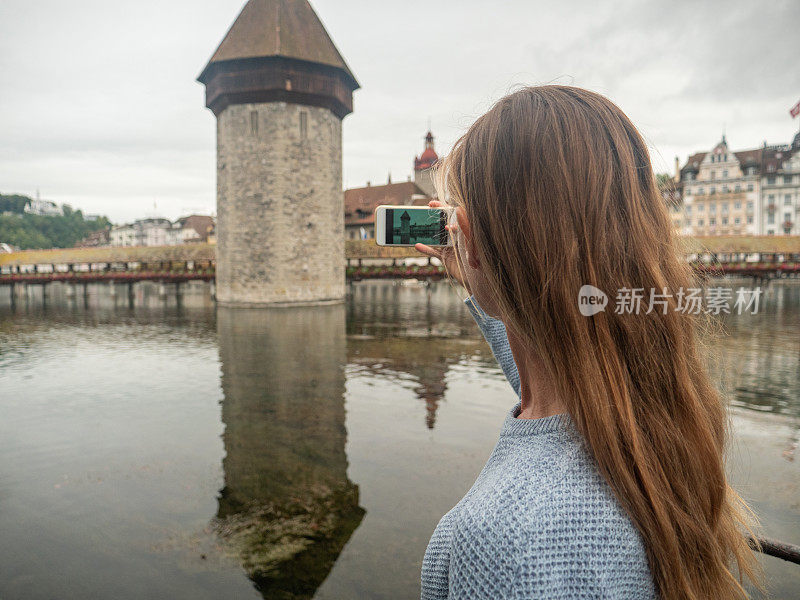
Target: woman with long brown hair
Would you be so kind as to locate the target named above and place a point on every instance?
(608, 478)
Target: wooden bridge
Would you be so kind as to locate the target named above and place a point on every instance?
(762, 258)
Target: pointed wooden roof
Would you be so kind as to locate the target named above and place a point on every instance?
(279, 28)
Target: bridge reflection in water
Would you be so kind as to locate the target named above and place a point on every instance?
(287, 507)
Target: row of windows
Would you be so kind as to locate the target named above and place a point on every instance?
(353, 234)
(724, 221)
(713, 174)
(773, 180)
(787, 218)
(787, 198)
(713, 190)
(712, 208)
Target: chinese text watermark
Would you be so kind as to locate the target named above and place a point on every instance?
(712, 300)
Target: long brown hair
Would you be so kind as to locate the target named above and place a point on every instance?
(559, 190)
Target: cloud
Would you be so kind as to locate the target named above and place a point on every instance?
(101, 108)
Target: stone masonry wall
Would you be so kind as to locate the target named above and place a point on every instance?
(280, 213)
(424, 180)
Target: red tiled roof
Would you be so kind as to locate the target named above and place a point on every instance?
(766, 159)
(200, 223)
(694, 161)
(426, 160)
(360, 203)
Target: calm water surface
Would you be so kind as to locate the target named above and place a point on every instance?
(165, 451)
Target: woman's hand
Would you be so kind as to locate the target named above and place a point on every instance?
(446, 254)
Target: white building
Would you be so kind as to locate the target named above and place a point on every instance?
(122, 235)
(41, 207)
(720, 192)
(162, 232)
(143, 232)
(748, 192)
(780, 184)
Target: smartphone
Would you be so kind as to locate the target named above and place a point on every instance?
(409, 225)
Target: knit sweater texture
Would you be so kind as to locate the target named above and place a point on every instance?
(540, 521)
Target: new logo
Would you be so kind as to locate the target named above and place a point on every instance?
(591, 300)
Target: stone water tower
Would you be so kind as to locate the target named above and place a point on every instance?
(279, 89)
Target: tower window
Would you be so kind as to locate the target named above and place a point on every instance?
(303, 125)
(254, 122)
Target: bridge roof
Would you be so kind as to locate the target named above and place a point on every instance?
(65, 256)
(727, 244)
(353, 249)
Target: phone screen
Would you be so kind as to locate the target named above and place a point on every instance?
(416, 225)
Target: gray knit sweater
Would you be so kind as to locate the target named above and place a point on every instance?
(540, 521)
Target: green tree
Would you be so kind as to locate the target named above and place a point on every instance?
(37, 231)
(664, 181)
(14, 203)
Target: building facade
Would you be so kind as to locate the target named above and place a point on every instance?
(360, 205)
(747, 192)
(780, 184)
(162, 232)
(144, 232)
(279, 89)
(45, 208)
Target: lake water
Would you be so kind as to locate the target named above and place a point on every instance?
(170, 451)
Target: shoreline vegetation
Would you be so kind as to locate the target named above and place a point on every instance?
(29, 231)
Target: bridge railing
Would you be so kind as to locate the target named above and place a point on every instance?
(765, 256)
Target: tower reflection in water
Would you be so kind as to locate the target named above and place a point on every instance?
(287, 507)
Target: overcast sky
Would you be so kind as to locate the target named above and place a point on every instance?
(99, 106)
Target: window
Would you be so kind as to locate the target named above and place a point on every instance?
(737, 205)
(700, 207)
(700, 191)
(787, 199)
(750, 206)
(254, 122)
(787, 217)
(737, 221)
(712, 208)
(771, 180)
(787, 179)
(724, 220)
(749, 187)
(737, 188)
(700, 222)
(771, 198)
(303, 125)
(688, 210)
(713, 174)
(713, 190)
(712, 221)
(725, 174)
(724, 207)
(750, 220)
(771, 218)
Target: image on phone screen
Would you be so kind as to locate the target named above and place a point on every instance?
(416, 225)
